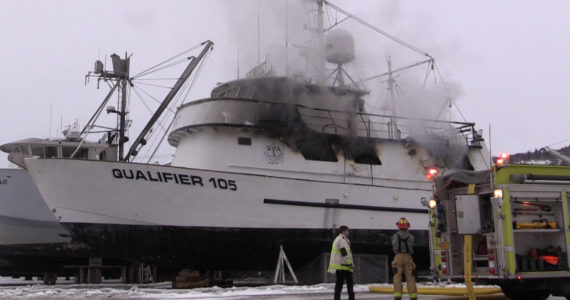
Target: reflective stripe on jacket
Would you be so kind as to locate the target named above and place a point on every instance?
(341, 255)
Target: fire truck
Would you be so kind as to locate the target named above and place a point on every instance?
(507, 226)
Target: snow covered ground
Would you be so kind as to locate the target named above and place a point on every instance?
(20, 289)
(35, 290)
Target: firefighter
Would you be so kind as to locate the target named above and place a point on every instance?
(403, 246)
(341, 263)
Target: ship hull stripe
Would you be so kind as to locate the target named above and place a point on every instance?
(345, 206)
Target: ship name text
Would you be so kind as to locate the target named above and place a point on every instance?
(176, 178)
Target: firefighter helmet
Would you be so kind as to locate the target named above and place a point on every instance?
(403, 223)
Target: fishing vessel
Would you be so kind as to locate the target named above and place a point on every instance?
(264, 161)
(32, 242)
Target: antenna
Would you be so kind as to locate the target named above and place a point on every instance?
(258, 37)
(50, 114)
(490, 158)
(287, 38)
(237, 54)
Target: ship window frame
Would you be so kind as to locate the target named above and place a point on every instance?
(230, 92)
(244, 141)
(81, 153)
(246, 92)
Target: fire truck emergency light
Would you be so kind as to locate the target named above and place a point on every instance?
(502, 159)
(498, 193)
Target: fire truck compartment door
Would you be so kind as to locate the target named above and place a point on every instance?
(468, 214)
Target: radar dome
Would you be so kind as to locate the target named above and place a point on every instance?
(339, 47)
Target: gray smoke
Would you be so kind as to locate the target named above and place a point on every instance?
(417, 102)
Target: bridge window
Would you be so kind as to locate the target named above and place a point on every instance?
(361, 150)
(315, 147)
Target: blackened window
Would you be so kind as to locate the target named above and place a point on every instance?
(246, 141)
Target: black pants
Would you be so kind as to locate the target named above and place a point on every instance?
(341, 277)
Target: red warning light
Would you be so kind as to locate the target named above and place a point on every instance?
(431, 173)
(502, 159)
(519, 277)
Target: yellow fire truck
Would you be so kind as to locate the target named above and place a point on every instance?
(507, 226)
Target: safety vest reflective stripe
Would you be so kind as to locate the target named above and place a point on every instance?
(340, 267)
(397, 294)
(413, 295)
(335, 250)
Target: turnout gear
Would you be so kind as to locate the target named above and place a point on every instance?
(403, 263)
(403, 242)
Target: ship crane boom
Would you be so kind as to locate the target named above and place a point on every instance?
(185, 75)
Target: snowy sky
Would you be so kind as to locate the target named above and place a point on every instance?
(507, 62)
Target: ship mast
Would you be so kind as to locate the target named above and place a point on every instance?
(320, 44)
(121, 79)
(391, 82)
(124, 79)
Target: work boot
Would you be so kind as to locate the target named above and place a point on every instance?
(397, 298)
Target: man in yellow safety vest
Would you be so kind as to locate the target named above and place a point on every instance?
(341, 263)
(403, 246)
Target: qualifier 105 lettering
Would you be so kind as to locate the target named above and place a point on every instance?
(176, 178)
(223, 184)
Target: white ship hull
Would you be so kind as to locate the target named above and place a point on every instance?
(25, 218)
(141, 194)
(32, 241)
(185, 216)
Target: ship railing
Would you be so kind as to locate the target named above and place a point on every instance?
(388, 127)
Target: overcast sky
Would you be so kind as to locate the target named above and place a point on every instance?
(508, 62)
